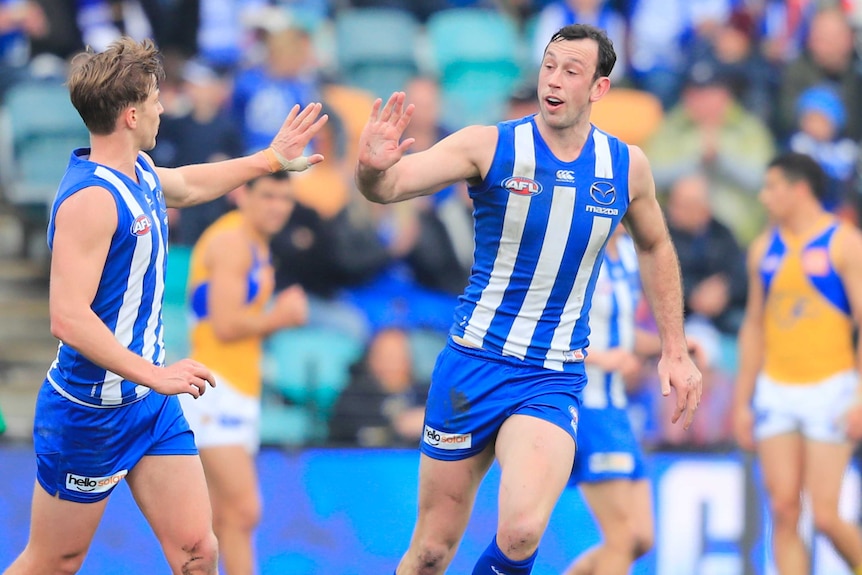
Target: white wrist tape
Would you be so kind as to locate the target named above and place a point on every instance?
(278, 163)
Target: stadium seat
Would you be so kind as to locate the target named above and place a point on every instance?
(376, 48)
(44, 128)
(177, 276)
(39, 129)
(629, 114)
(309, 366)
(477, 54)
(287, 425)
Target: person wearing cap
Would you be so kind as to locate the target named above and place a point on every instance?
(822, 117)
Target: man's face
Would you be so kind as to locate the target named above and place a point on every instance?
(566, 81)
(777, 194)
(267, 204)
(148, 114)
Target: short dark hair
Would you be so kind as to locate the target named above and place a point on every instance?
(607, 54)
(798, 167)
(277, 176)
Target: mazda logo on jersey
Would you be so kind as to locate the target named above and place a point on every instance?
(522, 186)
(141, 226)
(603, 193)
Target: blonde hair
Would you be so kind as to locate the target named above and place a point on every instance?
(102, 84)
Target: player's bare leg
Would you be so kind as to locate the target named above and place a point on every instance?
(825, 465)
(233, 488)
(623, 511)
(781, 459)
(60, 535)
(447, 490)
(535, 460)
(172, 493)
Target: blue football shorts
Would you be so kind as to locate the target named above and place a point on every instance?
(83, 452)
(607, 448)
(473, 392)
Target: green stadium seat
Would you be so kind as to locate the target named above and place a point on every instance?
(287, 425)
(425, 346)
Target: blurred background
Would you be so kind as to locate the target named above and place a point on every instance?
(710, 89)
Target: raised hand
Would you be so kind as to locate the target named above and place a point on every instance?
(685, 379)
(295, 134)
(379, 144)
(184, 376)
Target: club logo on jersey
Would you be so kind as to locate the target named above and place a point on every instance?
(815, 261)
(573, 355)
(603, 193)
(141, 226)
(83, 484)
(573, 411)
(565, 176)
(522, 186)
(448, 441)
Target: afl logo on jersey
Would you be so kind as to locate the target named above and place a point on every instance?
(603, 193)
(522, 186)
(141, 226)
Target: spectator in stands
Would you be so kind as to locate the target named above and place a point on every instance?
(103, 21)
(285, 78)
(523, 101)
(20, 20)
(711, 261)
(204, 132)
(821, 117)
(829, 58)
(383, 405)
(732, 47)
(710, 131)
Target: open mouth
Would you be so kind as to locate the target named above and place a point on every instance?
(553, 103)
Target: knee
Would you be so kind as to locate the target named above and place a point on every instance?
(200, 555)
(629, 539)
(520, 538)
(245, 515)
(432, 556)
(785, 512)
(70, 563)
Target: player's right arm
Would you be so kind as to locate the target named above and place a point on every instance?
(385, 173)
(84, 226)
(228, 260)
(751, 348)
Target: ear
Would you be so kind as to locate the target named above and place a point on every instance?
(600, 88)
(130, 117)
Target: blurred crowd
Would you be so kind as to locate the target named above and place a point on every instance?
(730, 82)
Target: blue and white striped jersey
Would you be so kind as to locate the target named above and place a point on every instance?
(541, 225)
(131, 290)
(612, 322)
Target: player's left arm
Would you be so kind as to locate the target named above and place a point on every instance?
(662, 286)
(848, 264)
(198, 183)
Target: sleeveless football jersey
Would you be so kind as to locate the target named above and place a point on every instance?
(130, 293)
(541, 225)
(239, 361)
(808, 328)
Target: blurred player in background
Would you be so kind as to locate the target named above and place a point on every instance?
(230, 284)
(609, 466)
(798, 385)
(107, 409)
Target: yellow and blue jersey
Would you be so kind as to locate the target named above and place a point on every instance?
(808, 325)
(238, 362)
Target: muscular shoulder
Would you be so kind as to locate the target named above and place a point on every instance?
(640, 174)
(847, 247)
(477, 144)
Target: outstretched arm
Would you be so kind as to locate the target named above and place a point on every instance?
(662, 287)
(385, 174)
(198, 183)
